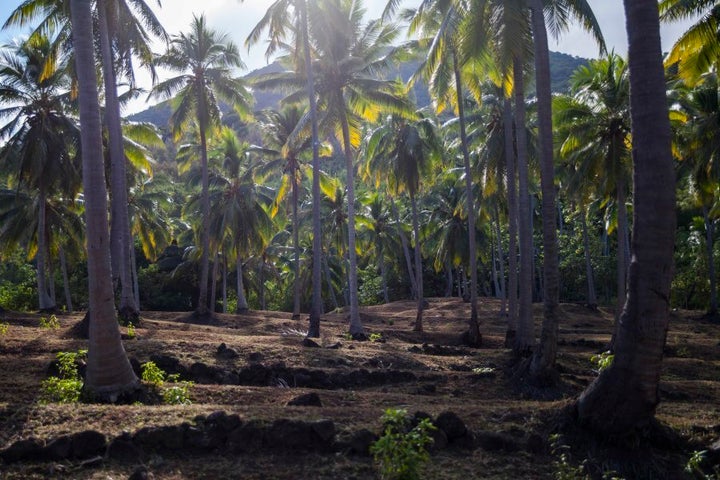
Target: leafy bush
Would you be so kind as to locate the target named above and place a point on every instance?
(178, 394)
(18, 289)
(131, 330)
(4, 327)
(51, 322)
(401, 451)
(66, 388)
(152, 374)
(602, 360)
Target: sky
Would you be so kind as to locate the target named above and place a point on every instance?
(236, 18)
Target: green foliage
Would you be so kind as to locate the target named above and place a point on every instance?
(563, 466)
(602, 360)
(375, 337)
(152, 374)
(694, 467)
(51, 322)
(402, 451)
(4, 327)
(66, 388)
(369, 287)
(131, 330)
(18, 289)
(483, 370)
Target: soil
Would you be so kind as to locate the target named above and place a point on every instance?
(257, 369)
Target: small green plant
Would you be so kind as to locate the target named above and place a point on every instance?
(562, 466)
(390, 321)
(694, 466)
(131, 330)
(66, 388)
(153, 374)
(402, 451)
(483, 370)
(51, 322)
(375, 337)
(4, 327)
(602, 360)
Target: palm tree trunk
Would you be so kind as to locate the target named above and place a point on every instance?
(473, 333)
(44, 301)
(317, 302)
(709, 244)
(51, 280)
(224, 284)
(418, 267)
(501, 284)
(202, 306)
(120, 224)
(512, 227)
(108, 370)
(242, 305)
(543, 362)
(261, 281)
(136, 282)
(296, 246)
(213, 288)
(356, 328)
(66, 282)
(591, 296)
(525, 337)
(383, 273)
(625, 395)
(405, 247)
(331, 289)
(622, 243)
(448, 279)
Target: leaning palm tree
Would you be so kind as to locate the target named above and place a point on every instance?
(109, 372)
(41, 136)
(402, 151)
(205, 60)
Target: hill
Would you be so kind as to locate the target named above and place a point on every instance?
(561, 68)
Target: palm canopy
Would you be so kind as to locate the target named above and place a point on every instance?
(205, 61)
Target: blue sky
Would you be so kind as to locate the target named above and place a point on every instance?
(237, 18)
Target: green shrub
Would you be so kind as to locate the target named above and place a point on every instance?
(51, 322)
(131, 330)
(375, 337)
(178, 394)
(153, 374)
(401, 451)
(66, 388)
(694, 467)
(602, 360)
(4, 327)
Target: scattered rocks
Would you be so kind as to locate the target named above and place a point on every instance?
(255, 357)
(494, 442)
(141, 473)
(227, 353)
(22, 450)
(88, 444)
(360, 441)
(307, 342)
(451, 424)
(307, 400)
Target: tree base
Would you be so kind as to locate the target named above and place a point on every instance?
(127, 316)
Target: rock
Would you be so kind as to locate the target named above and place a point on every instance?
(311, 399)
(141, 473)
(168, 437)
(247, 437)
(226, 422)
(440, 439)
(21, 450)
(122, 449)
(536, 444)
(325, 430)
(451, 424)
(169, 365)
(228, 353)
(58, 449)
(360, 442)
(494, 442)
(288, 434)
(207, 374)
(255, 357)
(88, 444)
(309, 343)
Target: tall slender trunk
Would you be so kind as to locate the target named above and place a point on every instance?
(625, 395)
(512, 225)
(51, 279)
(136, 282)
(202, 305)
(383, 273)
(213, 288)
(406, 249)
(296, 245)
(317, 302)
(418, 267)
(709, 244)
(448, 279)
(242, 305)
(44, 301)
(261, 281)
(331, 289)
(356, 328)
(501, 260)
(224, 283)
(120, 223)
(66, 281)
(622, 229)
(108, 370)
(591, 295)
(543, 362)
(473, 333)
(525, 337)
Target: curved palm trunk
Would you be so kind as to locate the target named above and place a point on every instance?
(317, 302)
(543, 362)
(44, 301)
(108, 370)
(66, 282)
(512, 227)
(473, 334)
(525, 336)
(418, 267)
(625, 395)
(501, 283)
(406, 249)
(202, 306)
(591, 296)
(242, 305)
(120, 223)
(356, 328)
(622, 230)
(709, 244)
(296, 247)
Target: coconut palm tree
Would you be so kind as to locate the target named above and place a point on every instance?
(40, 136)
(108, 369)
(625, 395)
(204, 60)
(401, 152)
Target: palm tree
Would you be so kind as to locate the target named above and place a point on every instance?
(205, 60)
(625, 395)
(41, 136)
(375, 223)
(108, 370)
(594, 127)
(402, 151)
(278, 22)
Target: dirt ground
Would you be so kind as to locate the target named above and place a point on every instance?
(430, 372)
